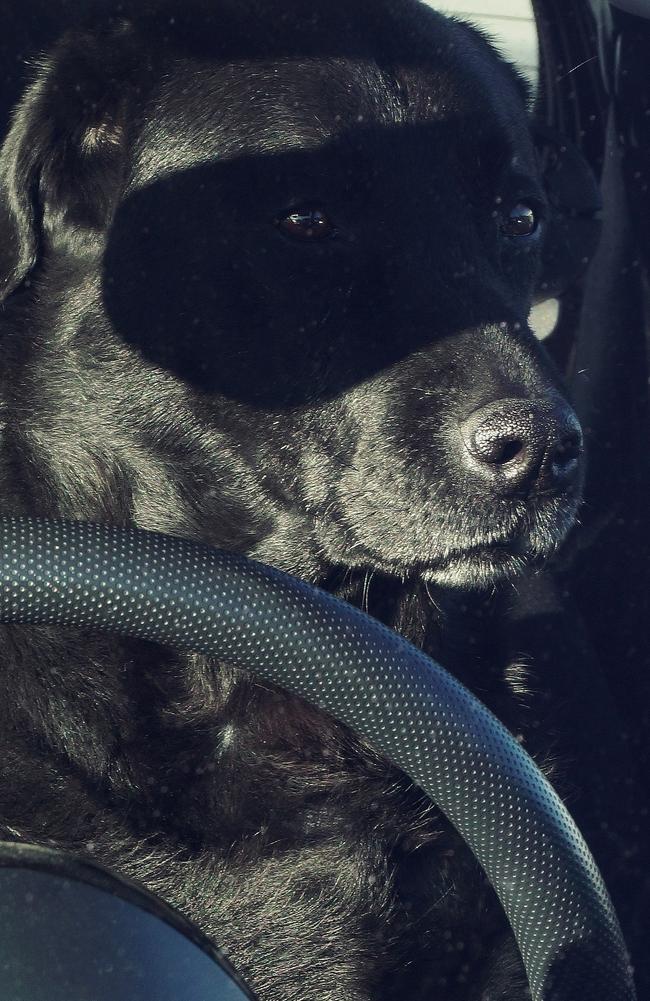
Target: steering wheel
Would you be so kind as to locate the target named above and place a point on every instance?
(188, 596)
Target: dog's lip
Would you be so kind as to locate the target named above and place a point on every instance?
(497, 550)
(515, 545)
(486, 562)
(502, 551)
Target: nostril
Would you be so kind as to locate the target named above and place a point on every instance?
(497, 442)
(508, 450)
(566, 453)
(568, 448)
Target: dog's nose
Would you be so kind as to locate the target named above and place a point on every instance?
(516, 445)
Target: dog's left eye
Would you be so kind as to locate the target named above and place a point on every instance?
(306, 224)
(522, 220)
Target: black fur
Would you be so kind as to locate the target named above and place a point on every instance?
(171, 359)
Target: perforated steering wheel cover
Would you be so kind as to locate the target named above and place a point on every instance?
(188, 596)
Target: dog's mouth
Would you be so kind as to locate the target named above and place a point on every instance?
(482, 565)
(487, 558)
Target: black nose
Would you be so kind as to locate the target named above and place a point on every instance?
(515, 446)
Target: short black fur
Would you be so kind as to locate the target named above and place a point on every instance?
(171, 359)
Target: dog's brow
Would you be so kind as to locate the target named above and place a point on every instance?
(289, 104)
(425, 95)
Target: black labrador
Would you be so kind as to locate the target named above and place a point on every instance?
(266, 271)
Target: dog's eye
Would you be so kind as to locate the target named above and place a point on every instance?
(305, 224)
(522, 220)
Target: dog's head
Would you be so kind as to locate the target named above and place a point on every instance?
(274, 262)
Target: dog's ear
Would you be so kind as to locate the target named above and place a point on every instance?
(62, 162)
(18, 225)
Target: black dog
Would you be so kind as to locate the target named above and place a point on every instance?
(267, 268)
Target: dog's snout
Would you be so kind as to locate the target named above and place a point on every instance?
(516, 445)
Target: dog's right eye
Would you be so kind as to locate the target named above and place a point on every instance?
(522, 220)
(305, 224)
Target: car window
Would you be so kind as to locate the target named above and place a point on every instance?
(510, 23)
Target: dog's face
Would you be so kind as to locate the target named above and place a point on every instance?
(292, 260)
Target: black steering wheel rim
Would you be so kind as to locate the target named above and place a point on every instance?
(188, 596)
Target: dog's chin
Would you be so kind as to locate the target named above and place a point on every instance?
(475, 563)
(478, 566)
(481, 567)
(496, 552)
